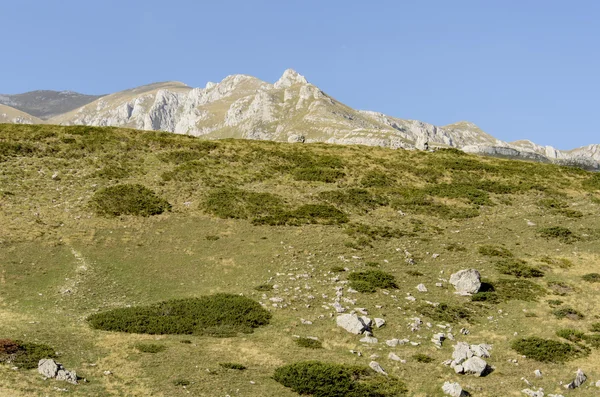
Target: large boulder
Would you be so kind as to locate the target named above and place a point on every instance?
(354, 324)
(48, 368)
(466, 282)
(475, 365)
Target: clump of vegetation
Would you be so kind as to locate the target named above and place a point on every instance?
(216, 315)
(560, 288)
(414, 273)
(420, 201)
(572, 335)
(455, 247)
(591, 277)
(23, 354)
(264, 287)
(592, 183)
(371, 280)
(445, 312)
(376, 179)
(150, 347)
(545, 350)
(309, 343)
(554, 302)
(489, 297)
(422, 358)
(181, 382)
(234, 366)
(562, 263)
(371, 264)
(495, 251)
(318, 174)
(360, 199)
(212, 238)
(336, 380)
(199, 151)
(568, 312)
(128, 199)
(236, 203)
(518, 268)
(337, 269)
(558, 232)
(525, 290)
(364, 234)
(595, 327)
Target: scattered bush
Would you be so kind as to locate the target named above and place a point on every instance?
(236, 203)
(150, 347)
(518, 268)
(445, 312)
(186, 341)
(181, 382)
(306, 214)
(335, 380)
(338, 269)
(492, 250)
(489, 297)
(570, 335)
(376, 179)
(524, 290)
(545, 350)
(567, 312)
(212, 238)
(356, 198)
(114, 172)
(593, 182)
(554, 302)
(422, 358)
(591, 277)
(128, 200)
(371, 280)
(595, 327)
(185, 155)
(455, 247)
(552, 204)
(562, 263)
(309, 343)
(414, 273)
(560, 288)
(216, 315)
(371, 264)
(558, 232)
(235, 366)
(22, 354)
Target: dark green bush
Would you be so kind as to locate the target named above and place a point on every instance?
(570, 334)
(552, 203)
(309, 343)
(455, 247)
(524, 290)
(217, 315)
(414, 273)
(563, 263)
(445, 312)
(460, 191)
(371, 280)
(554, 302)
(22, 354)
(336, 380)
(419, 201)
(568, 312)
(591, 277)
(150, 347)
(128, 200)
(212, 238)
(372, 233)
(242, 204)
(558, 232)
(489, 297)
(492, 250)
(235, 366)
(422, 358)
(545, 350)
(518, 268)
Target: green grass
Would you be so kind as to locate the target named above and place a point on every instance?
(494, 251)
(560, 233)
(150, 347)
(518, 268)
(591, 277)
(309, 343)
(446, 313)
(545, 350)
(568, 312)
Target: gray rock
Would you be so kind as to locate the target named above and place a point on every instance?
(453, 390)
(422, 288)
(462, 352)
(466, 282)
(394, 357)
(67, 376)
(394, 342)
(379, 322)
(338, 307)
(377, 368)
(481, 350)
(369, 339)
(537, 373)
(353, 324)
(48, 368)
(437, 339)
(580, 378)
(475, 365)
(531, 393)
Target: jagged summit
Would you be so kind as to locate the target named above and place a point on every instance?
(289, 78)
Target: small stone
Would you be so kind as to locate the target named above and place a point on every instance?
(369, 339)
(395, 342)
(421, 288)
(475, 366)
(394, 357)
(377, 368)
(48, 368)
(466, 282)
(580, 378)
(531, 393)
(537, 373)
(379, 322)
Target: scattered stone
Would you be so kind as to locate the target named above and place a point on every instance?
(377, 368)
(462, 352)
(437, 340)
(435, 256)
(422, 288)
(439, 285)
(598, 384)
(379, 322)
(396, 342)
(338, 307)
(50, 369)
(453, 390)
(481, 350)
(475, 365)
(394, 357)
(580, 378)
(56, 176)
(531, 393)
(537, 373)
(369, 339)
(305, 322)
(466, 282)
(465, 331)
(354, 324)
(361, 310)
(416, 324)
(374, 356)
(107, 373)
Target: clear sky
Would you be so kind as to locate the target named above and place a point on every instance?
(517, 68)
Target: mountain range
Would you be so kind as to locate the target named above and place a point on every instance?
(291, 109)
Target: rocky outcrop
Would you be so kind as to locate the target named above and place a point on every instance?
(466, 282)
(50, 369)
(353, 323)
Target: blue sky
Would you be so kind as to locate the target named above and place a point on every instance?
(519, 69)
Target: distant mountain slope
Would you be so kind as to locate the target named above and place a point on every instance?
(15, 116)
(47, 104)
(291, 109)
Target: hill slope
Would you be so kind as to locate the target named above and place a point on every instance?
(45, 104)
(299, 222)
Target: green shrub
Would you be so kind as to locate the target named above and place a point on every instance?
(336, 380)
(455, 247)
(376, 179)
(491, 250)
(570, 334)
(338, 269)
(445, 312)
(570, 213)
(24, 355)
(558, 232)
(460, 191)
(309, 343)
(554, 302)
(357, 198)
(563, 263)
(418, 201)
(181, 382)
(371, 280)
(595, 327)
(217, 315)
(264, 287)
(234, 366)
(241, 204)
(489, 297)
(186, 341)
(567, 312)
(114, 172)
(212, 238)
(592, 340)
(591, 277)
(552, 204)
(318, 174)
(414, 273)
(524, 290)
(128, 200)
(545, 350)
(518, 268)
(372, 233)
(593, 182)
(150, 347)
(422, 358)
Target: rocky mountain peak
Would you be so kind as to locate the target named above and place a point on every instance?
(289, 78)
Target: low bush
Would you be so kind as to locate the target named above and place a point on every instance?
(128, 199)
(212, 238)
(150, 347)
(495, 251)
(559, 288)
(181, 382)
(376, 179)
(264, 287)
(591, 277)
(185, 155)
(216, 315)
(337, 269)
(445, 313)
(552, 204)
(372, 233)
(518, 268)
(570, 335)
(595, 327)
(309, 343)
(593, 182)
(554, 302)
(371, 264)
(360, 199)
(422, 358)
(234, 366)
(560, 233)
(524, 290)
(568, 312)
(455, 247)
(114, 172)
(545, 350)
(489, 297)
(23, 354)
(336, 380)
(562, 263)
(236, 203)
(371, 281)
(414, 273)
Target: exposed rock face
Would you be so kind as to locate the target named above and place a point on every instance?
(453, 390)
(466, 282)
(52, 370)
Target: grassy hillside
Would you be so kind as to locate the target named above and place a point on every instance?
(96, 219)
